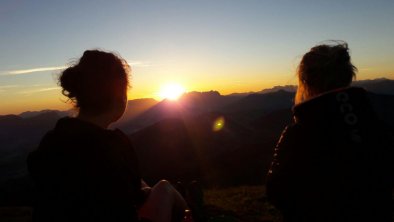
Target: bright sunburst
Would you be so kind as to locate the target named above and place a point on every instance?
(171, 91)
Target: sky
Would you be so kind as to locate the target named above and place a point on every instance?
(224, 45)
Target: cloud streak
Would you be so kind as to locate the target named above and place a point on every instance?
(5, 88)
(134, 63)
(54, 68)
(32, 70)
(39, 90)
(8, 87)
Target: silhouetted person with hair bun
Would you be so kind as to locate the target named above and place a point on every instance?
(86, 172)
(335, 162)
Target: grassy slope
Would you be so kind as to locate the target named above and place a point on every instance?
(244, 203)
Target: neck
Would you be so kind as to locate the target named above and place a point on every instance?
(102, 120)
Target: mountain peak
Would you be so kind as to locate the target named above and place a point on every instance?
(206, 93)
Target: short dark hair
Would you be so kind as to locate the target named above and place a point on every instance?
(324, 68)
(95, 81)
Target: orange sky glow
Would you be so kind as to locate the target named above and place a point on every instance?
(224, 45)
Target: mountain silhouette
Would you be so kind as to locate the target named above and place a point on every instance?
(254, 106)
(263, 103)
(177, 140)
(166, 151)
(274, 121)
(378, 86)
(188, 149)
(134, 108)
(30, 114)
(189, 105)
(18, 137)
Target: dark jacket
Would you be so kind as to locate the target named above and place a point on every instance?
(334, 163)
(85, 173)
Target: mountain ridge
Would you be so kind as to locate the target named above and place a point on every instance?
(228, 133)
(379, 86)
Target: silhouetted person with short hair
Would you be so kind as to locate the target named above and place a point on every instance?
(86, 172)
(335, 162)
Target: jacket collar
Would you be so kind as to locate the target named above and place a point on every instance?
(332, 107)
(72, 125)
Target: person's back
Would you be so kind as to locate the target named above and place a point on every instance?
(83, 172)
(334, 162)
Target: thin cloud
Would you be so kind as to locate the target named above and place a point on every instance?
(39, 90)
(365, 69)
(32, 70)
(4, 87)
(139, 63)
(54, 68)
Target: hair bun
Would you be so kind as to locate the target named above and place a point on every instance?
(69, 82)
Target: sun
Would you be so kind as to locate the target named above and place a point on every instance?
(171, 91)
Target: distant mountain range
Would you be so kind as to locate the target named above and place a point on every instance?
(176, 139)
(378, 86)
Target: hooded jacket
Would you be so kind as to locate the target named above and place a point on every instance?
(85, 173)
(335, 163)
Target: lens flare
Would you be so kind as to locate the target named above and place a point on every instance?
(218, 124)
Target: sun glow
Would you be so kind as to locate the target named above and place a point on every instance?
(171, 91)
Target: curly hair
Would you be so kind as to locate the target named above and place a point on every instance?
(324, 68)
(95, 82)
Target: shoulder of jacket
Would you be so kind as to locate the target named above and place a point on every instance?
(47, 139)
(290, 134)
(291, 129)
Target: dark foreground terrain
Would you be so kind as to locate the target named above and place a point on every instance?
(235, 204)
(244, 203)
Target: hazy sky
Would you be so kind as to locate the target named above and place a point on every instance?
(229, 46)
